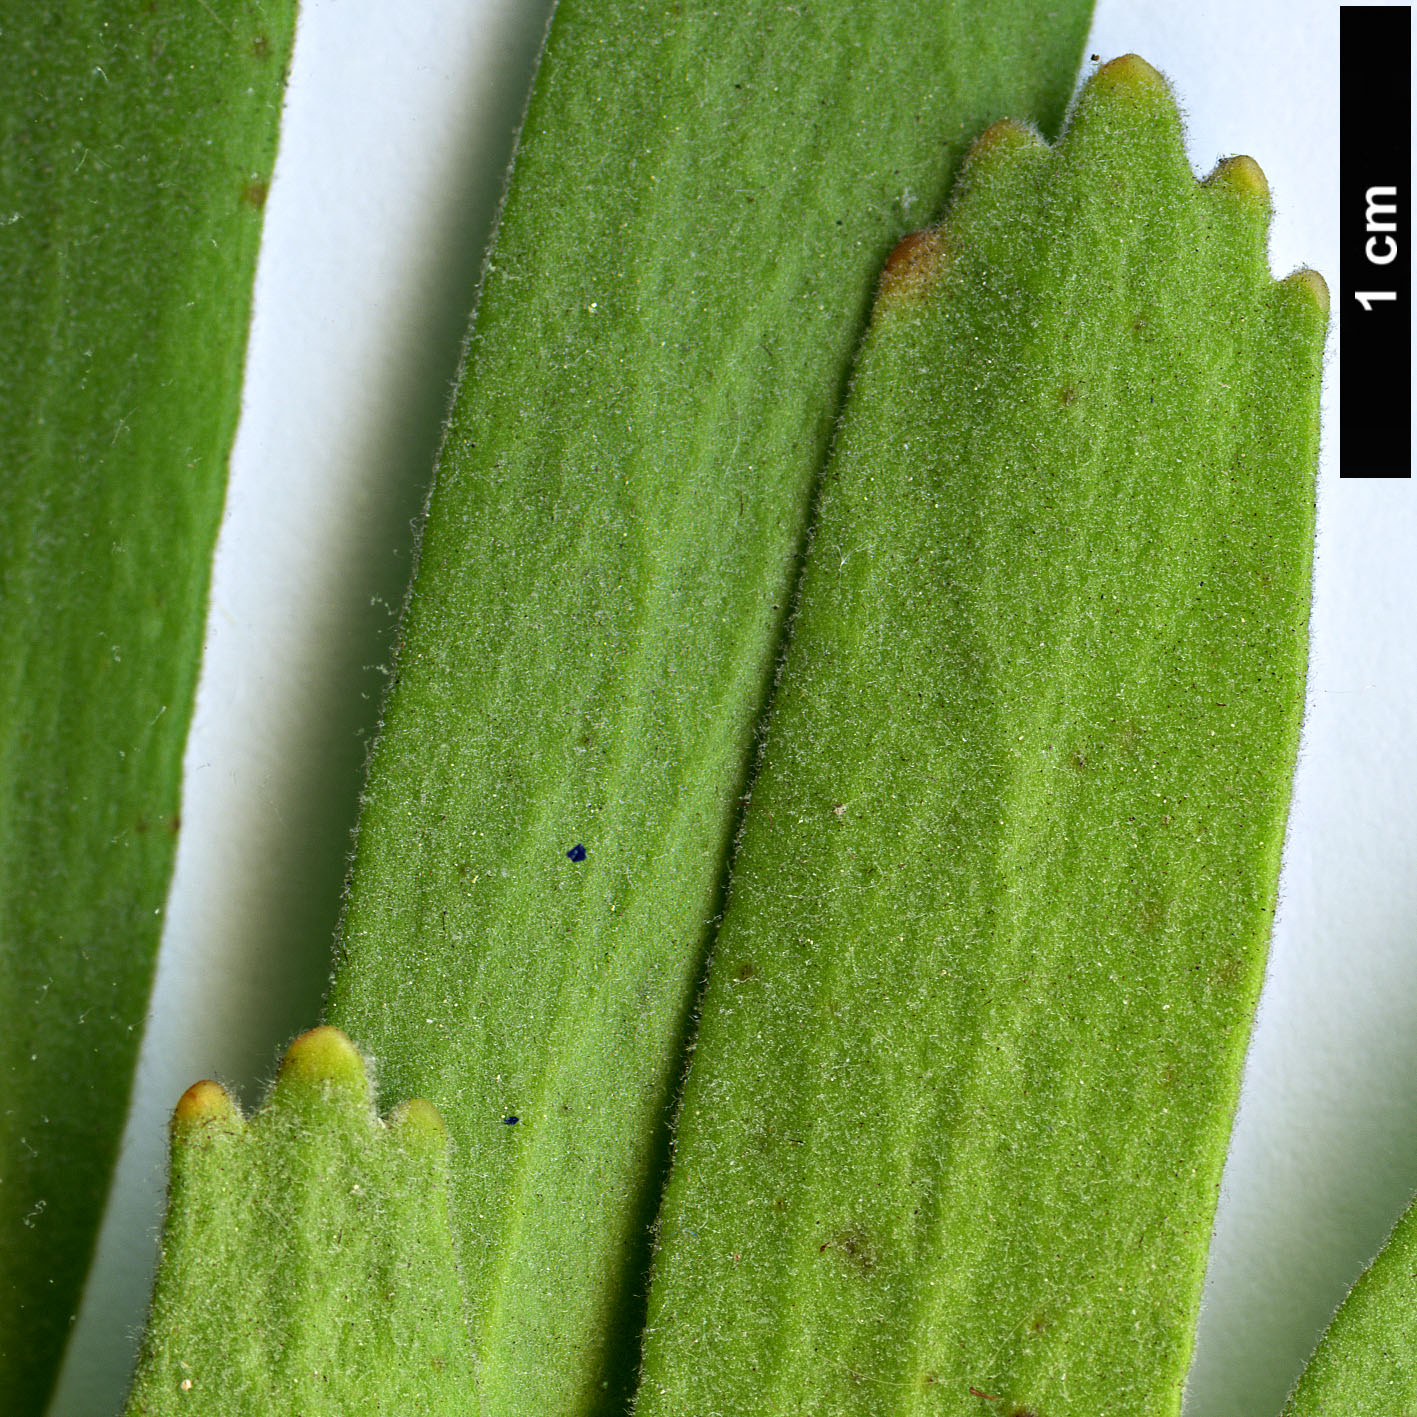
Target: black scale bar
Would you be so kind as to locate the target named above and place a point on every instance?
(1375, 241)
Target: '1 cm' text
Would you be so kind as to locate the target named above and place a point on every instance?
(1380, 249)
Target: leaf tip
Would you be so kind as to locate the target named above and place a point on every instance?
(1007, 135)
(1311, 284)
(203, 1103)
(1125, 98)
(1303, 299)
(1243, 175)
(324, 1054)
(419, 1120)
(911, 267)
(1130, 76)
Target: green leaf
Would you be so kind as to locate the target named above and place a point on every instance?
(136, 143)
(1366, 1362)
(701, 200)
(952, 1136)
(307, 1262)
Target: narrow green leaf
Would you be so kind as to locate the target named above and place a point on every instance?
(307, 1262)
(1366, 1363)
(953, 1132)
(701, 199)
(136, 144)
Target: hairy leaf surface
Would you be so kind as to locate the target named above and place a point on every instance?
(136, 145)
(701, 199)
(962, 1086)
(1366, 1363)
(307, 1263)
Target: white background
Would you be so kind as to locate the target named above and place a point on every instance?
(398, 126)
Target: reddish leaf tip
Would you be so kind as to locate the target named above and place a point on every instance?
(911, 267)
(204, 1101)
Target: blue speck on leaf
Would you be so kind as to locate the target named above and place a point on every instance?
(577, 852)
(510, 1121)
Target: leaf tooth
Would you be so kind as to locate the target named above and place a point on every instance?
(1236, 198)
(1130, 76)
(997, 169)
(418, 1122)
(1299, 314)
(323, 1066)
(325, 1052)
(1005, 138)
(205, 1123)
(1307, 285)
(1118, 105)
(206, 1105)
(1242, 175)
(912, 268)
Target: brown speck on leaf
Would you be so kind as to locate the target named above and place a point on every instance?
(840, 809)
(261, 47)
(1153, 914)
(254, 193)
(1227, 971)
(745, 972)
(855, 1245)
(1067, 395)
(174, 824)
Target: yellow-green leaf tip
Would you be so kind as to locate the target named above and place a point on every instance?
(1006, 136)
(1132, 76)
(1312, 286)
(999, 146)
(419, 1120)
(1122, 92)
(1241, 174)
(204, 1102)
(324, 1054)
